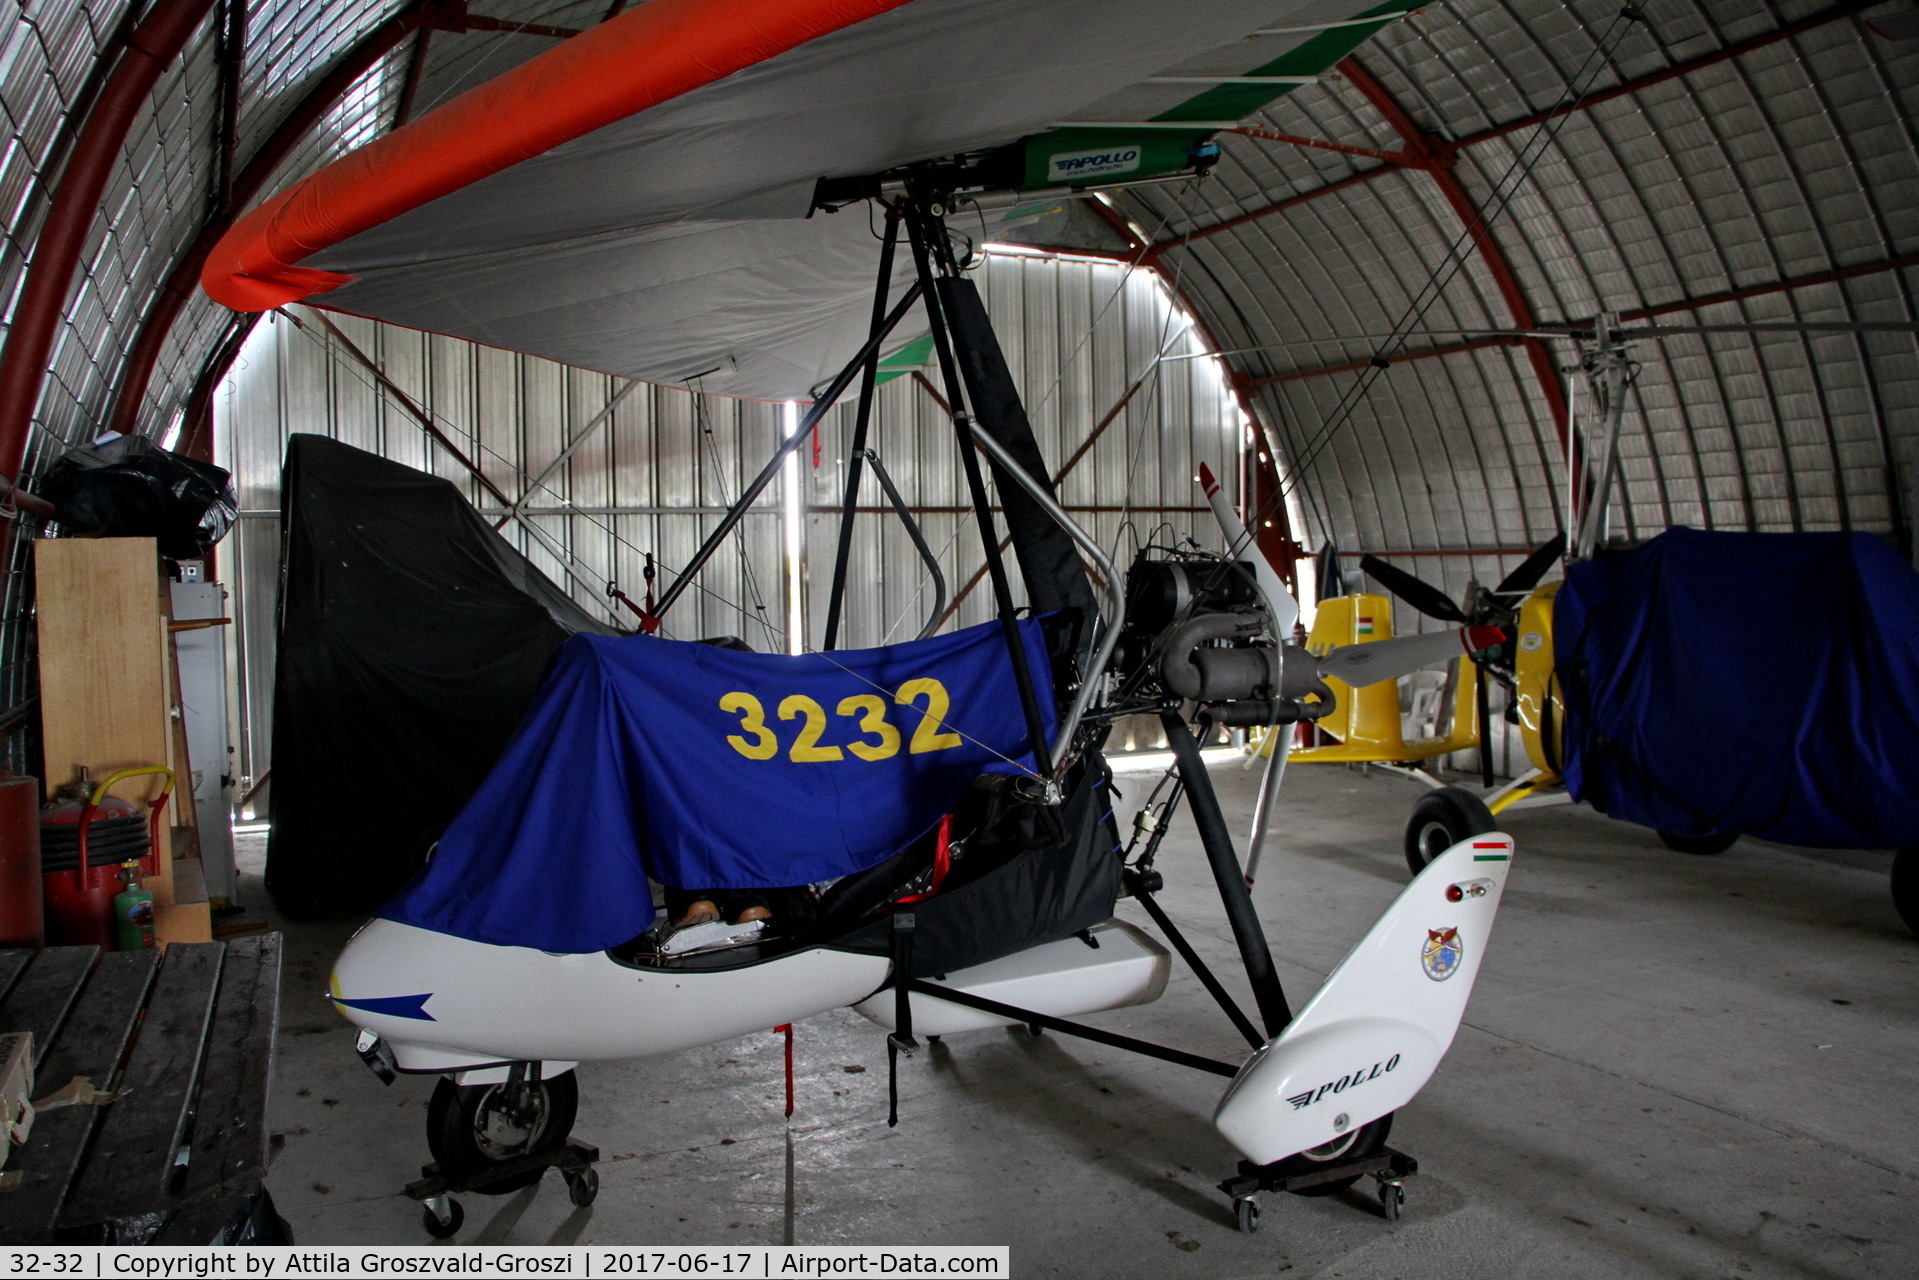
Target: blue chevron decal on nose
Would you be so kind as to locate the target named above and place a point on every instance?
(392, 1006)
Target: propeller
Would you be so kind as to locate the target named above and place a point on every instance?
(1362, 664)
(1497, 608)
(1423, 596)
(1522, 580)
(1356, 665)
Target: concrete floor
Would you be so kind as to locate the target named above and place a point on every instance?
(1673, 1066)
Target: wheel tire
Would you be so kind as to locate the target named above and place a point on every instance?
(1441, 820)
(1246, 1213)
(1905, 886)
(583, 1187)
(443, 1230)
(1392, 1198)
(468, 1133)
(1717, 842)
(1367, 1140)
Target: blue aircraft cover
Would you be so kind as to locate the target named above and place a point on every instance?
(1753, 682)
(711, 768)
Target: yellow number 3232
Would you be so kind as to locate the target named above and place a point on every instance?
(878, 738)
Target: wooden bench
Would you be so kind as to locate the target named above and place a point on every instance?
(186, 1042)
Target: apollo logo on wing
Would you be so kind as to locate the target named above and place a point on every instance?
(1078, 166)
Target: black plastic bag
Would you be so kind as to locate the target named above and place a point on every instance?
(130, 487)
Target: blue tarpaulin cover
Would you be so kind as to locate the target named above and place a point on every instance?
(1752, 682)
(711, 768)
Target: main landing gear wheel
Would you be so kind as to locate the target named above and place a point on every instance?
(1246, 1211)
(470, 1128)
(1717, 842)
(1364, 1141)
(1905, 886)
(1441, 820)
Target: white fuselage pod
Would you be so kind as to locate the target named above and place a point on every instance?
(1377, 1028)
(445, 1003)
(1063, 979)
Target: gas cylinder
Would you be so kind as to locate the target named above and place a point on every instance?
(21, 921)
(132, 911)
(79, 900)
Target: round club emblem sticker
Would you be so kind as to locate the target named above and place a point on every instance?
(1442, 953)
(1531, 641)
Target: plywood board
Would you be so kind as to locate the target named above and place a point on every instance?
(104, 680)
(183, 922)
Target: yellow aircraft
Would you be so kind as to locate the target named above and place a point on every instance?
(1368, 724)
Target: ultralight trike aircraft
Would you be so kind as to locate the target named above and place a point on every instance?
(932, 819)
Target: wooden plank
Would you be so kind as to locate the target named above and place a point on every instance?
(103, 668)
(42, 996)
(12, 964)
(131, 1163)
(103, 680)
(229, 1154)
(90, 1044)
(183, 921)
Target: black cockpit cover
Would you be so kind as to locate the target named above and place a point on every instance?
(411, 640)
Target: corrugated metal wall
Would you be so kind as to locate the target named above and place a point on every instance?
(663, 466)
(1078, 337)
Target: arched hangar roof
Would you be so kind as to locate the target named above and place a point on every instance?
(1745, 172)
(1477, 173)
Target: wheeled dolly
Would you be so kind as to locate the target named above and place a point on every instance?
(442, 1214)
(1387, 1167)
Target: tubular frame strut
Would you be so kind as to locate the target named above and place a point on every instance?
(921, 228)
(1200, 970)
(1234, 894)
(808, 421)
(1178, 1057)
(869, 375)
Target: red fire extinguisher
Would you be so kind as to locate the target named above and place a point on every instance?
(85, 836)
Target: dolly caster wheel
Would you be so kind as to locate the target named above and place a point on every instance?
(1246, 1211)
(583, 1187)
(442, 1217)
(1392, 1198)
(1034, 1030)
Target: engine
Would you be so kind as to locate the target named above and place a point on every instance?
(1197, 629)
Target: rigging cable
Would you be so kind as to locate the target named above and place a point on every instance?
(1458, 253)
(325, 342)
(1032, 409)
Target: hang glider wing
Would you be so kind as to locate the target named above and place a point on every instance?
(641, 199)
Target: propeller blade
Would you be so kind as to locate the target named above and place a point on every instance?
(1532, 568)
(1279, 601)
(1327, 580)
(1369, 663)
(1482, 712)
(1428, 599)
(1268, 793)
